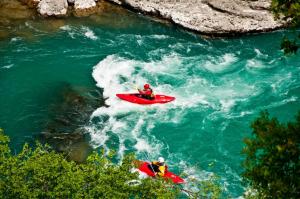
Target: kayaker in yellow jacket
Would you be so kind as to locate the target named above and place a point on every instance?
(159, 166)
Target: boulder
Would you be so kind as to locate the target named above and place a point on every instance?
(56, 8)
(64, 130)
(84, 7)
(211, 17)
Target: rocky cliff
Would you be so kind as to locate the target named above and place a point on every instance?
(212, 17)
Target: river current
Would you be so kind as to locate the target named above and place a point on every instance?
(220, 86)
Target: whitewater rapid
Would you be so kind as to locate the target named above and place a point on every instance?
(218, 87)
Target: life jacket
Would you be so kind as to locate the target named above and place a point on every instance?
(159, 168)
(152, 94)
(147, 93)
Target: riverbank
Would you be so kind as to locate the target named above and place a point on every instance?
(20, 20)
(212, 18)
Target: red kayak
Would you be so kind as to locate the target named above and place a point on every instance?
(137, 98)
(145, 167)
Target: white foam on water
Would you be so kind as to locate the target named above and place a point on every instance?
(139, 40)
(66, 28)
(157, 52)
(70, 30)
(168, 64)
(108, 74)
(116, 75)
(98, 139)
(220, 64)
(176, 46)
(119, 75)
(227, 104)
(7, 66)
(281, 103)
(193, 174)
(15, 39)
(260, 61)
(257, 51)
(142, 145)
(134, 123)
(74, 32)
(89, 33)
(158, 36)
(254, 63)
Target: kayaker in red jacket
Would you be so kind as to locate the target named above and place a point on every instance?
(147, 92)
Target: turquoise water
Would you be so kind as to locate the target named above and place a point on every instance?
(220, 86)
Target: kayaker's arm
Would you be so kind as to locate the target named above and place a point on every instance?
(152, 169)
(145, 92)
(140, 91)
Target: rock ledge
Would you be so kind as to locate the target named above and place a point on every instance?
(208, 17)
(211, 17)
(53, 8)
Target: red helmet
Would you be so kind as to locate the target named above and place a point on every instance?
(146, 86)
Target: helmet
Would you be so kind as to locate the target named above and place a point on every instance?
(146, 86)
(161, 160)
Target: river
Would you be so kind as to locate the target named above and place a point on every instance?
(220, 86)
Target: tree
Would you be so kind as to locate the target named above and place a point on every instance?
(43, 173)
(272, 164)
(290, 9)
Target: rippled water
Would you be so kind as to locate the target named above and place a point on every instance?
(220, 86)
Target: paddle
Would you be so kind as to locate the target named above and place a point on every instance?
(135, 87)
(147, 158)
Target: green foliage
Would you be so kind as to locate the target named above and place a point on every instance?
(290, 9)
(288, 46)
(209, 188)
(272, 164)
(43, 173)
(4, 149)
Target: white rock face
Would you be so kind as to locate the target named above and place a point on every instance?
(217, 17)
(53, 7)
(84, 7)
(84, 4)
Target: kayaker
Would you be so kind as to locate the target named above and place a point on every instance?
(159, 166)
(147, 92)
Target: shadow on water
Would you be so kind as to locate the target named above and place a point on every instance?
(64, 130)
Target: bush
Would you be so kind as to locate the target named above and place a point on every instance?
(272, 164)
(290, 10)
(43, 173)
